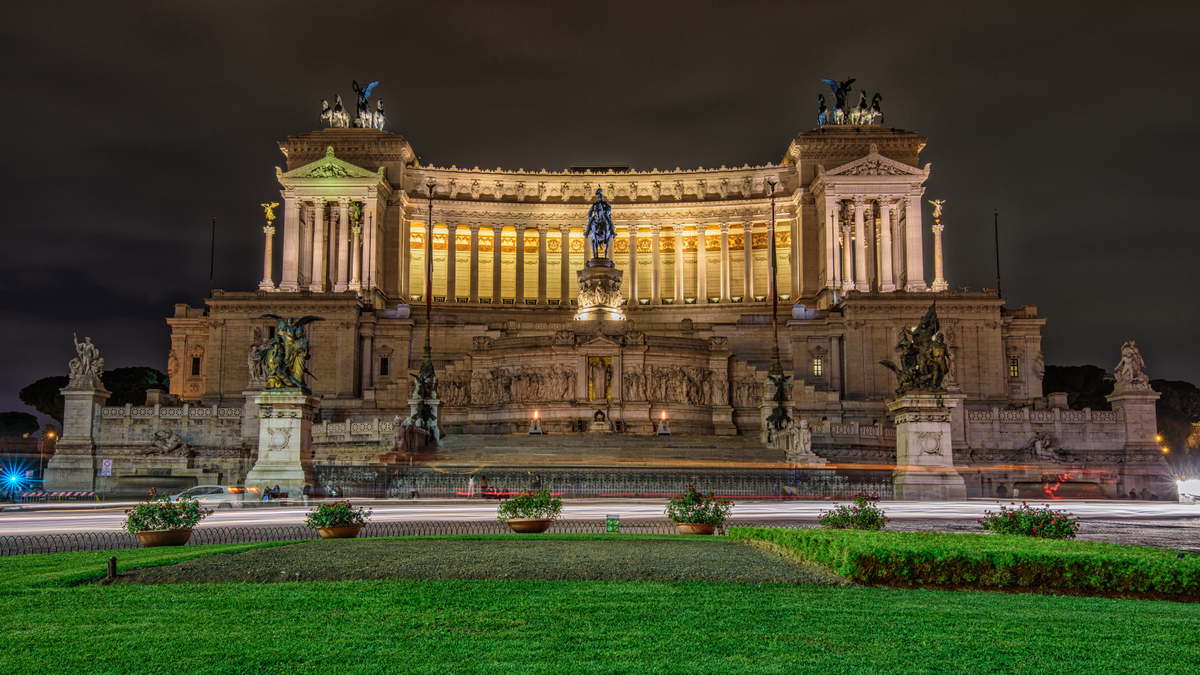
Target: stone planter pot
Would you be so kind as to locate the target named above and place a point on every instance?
(695, 528)
(152, 538)
(530, 525)
(341, 532)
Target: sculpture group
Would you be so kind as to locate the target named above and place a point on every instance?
(863, 113)
(924, 358)
(363, 118)
(600, 229)
(281, 362)
(87, 366)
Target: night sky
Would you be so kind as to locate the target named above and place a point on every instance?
(130, 123)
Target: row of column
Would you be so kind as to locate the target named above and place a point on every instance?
(324, 253)
(657, 266)
(864, 257)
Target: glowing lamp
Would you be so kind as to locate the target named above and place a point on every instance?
(664, 414)
(535, 414)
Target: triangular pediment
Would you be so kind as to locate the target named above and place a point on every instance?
(330, 166)
(875, 164)
(601, 341)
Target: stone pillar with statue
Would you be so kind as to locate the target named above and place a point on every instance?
(285, 408)
(922, 409)
(599, 280)
(74, 464)
(1142, 464)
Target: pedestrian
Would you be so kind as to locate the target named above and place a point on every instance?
(412, 489)
(1001, 491)
(1016, 492)
(266, 495)
(1153, 497)
(277, 493)
(537, 483)
(1133, 493)
(1145, 494)
(471, 487)
(306, 492)
(483, 487)
(875, 495)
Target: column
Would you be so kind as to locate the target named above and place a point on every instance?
(748, 255)
(331, 239)
(343, 251)
(565, 289)
(368, 361)
(939, 279)
(887, 282)
(497, 272)
(427, 266)
(405, 265)
(897, 248)
(860, 248)
(678, 227)
(291, 244)
(724, 262)
(356, 259)
(872, 246)
(915, 265)
(519, 279)
(701, 264)
(318, 248)
(655, 260)
(474, 297)
(633, 261)
(370, 241)
(451, 262)
(542, 230)
(847, 267)
(831, 245)
(267, 284)
(797, 251)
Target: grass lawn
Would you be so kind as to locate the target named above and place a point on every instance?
(453, 626)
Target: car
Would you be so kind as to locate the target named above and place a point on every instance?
(215, 496)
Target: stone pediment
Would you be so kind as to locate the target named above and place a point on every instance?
(330, 167)
(601, 341)
(874, 164)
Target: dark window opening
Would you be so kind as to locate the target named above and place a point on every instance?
(383, 366)
(195, 365)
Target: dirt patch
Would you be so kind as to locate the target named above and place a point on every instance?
(547, 559)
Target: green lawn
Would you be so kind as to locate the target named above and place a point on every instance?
(562, 627)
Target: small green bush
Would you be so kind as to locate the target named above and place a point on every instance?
(527, 504)
(337, 514)
(1030, 521)
(988, 561)
(158, 513)
(861, 516)
(696, 507)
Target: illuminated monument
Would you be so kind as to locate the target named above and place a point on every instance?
(667, 310)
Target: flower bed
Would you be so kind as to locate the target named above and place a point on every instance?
(989, 561)
(861, 516)
(695, 507)
(1031, 522)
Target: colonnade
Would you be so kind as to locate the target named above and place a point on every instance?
(323, 249)
(874, 243)
(719, 290)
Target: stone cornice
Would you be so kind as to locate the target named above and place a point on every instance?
(577, 213)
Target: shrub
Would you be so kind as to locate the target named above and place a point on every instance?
(527, 504)
(696, 507)
(985, 561)
(1031, 522)
(337, 514)
(861, 516)
(158, 512)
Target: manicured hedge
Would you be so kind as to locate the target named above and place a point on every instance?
(988, 561)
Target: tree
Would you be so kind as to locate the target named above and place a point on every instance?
(1177, 409)
(44, 397)
(1085, 386)
(16, 424)
(127, 385)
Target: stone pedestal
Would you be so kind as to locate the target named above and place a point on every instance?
(599, 291)
(284, 440)
(1143, 464)
(664, 429)
(722, 418)
(74, 464)
(433, 402)
(924, 448)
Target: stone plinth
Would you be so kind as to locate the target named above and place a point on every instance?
(924, 448)
(414, 406)
(599, 291)
(74, 464)
(1142, 463)
(284, 440)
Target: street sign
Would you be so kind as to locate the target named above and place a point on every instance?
(612, 523)
(106, 467)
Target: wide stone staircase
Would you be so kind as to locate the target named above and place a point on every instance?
(583, 449)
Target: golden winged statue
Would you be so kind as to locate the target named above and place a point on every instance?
(270, 208)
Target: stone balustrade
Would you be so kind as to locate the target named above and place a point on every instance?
(1070, 429)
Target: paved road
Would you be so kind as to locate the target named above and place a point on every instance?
(109, 517)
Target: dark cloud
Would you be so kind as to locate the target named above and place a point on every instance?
(129, 124)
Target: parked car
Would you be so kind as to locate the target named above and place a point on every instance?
(215, 496)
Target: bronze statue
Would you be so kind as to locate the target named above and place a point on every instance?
(778, 419)
(600, 225)
(284, 356)
(924, 357)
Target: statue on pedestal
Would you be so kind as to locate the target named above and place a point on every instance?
(600, 225)
(1129, 370)
(363, 117)
(840, 91)
(87, 367)
(283, 359)
(924, 358)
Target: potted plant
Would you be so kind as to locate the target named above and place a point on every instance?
(530, 511)
(159, 521)
(697, 513)
(337, 520)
